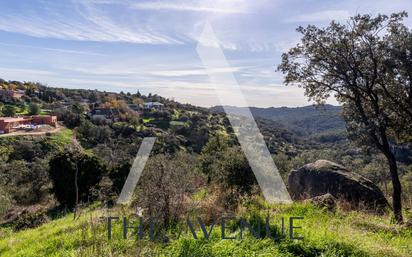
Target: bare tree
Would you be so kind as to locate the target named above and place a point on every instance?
(164, 186)
(76, 149)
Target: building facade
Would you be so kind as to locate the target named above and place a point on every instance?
(10, 124)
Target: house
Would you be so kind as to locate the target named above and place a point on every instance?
(153, 105)
(135, 107)
(104, 114)
(10, 124)
(84, 102)
(44, 119)
(10, 95)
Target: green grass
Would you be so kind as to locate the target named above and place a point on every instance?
(325, 234)
(24, 110)
(44, 112)
(61, 138)
(175, 115)
(147, 120)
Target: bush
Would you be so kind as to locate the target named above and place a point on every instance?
(34, 109)
(5, 201)
(30, 220)
(27, 183)
(93, 134)
(162, 190)
(9, 111)
(235, 172)
(118, 176)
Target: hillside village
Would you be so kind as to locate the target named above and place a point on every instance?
(18, 115)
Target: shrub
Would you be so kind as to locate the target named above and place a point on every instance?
(27, 183)
(162, 190)
(5, 201)
(30, 220)
(118, 176)
(34, 109)
(9, 111)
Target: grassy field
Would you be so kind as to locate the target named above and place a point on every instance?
(325, 234)
(62, 138)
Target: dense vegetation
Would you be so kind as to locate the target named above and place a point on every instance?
(196, 168)
(304, 121)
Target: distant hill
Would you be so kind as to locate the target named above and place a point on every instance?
(305, 121)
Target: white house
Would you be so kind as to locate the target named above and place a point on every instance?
(153, 105)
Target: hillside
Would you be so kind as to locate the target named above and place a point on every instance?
(196, 168)
(111, 146)
(325, 234)
(305, 121)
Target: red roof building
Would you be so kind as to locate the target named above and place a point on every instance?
(10, 124)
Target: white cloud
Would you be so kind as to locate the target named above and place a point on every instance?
(326, 15)
(81, 21)
(17, 72)
(60, 50)
(140, 22)
(228, 7)
(123, 31)
(191, 72)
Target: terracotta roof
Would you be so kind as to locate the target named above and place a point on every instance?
(11, 119)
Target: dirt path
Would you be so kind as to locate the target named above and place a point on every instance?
(37, 133)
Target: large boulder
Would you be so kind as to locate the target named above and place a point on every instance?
(323, 177)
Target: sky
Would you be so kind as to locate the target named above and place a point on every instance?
(150, 46)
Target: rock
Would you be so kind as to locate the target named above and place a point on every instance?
(25, 217)
(327, 201)
(323, 177)
(408, 224)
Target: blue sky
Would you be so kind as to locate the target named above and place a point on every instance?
(116, 45)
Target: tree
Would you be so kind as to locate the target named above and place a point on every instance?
(213, 150)
(134, 121)
(27, 150)
(164, 185)
(77, 108)
(26, 182)
(233, 171)
(34, 109)
(74, 173)
(226, 165)
(357, 63)
(9, 111)
(71, 119)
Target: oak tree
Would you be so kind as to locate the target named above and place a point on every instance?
(366, 65)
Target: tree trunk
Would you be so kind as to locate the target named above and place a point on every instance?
(77, 191)
(396, 184)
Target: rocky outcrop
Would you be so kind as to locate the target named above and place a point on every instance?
(323, 177)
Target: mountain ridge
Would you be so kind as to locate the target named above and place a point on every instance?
(306, 121)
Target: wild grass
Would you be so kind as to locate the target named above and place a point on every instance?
(325, 234)
(61, 138)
